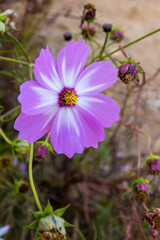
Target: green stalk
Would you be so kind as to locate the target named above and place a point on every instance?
(104, 45)
(5, 137)
(18, 44)
(31, 179)
(131, 43)
(15, 61)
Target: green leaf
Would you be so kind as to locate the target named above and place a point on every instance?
(48, 210)
(33, 225)
(59, 212)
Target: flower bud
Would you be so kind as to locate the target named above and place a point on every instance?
(89, 13)
(67, 36)
(41, 152)
(107, 27)
(127, 72)
(21, 147)
(88, 32)
(154, 167)
(5, 162)
(141, 191)
(117, 35)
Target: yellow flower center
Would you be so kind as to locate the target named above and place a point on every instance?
(68, 98)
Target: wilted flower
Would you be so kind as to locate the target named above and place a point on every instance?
(5, 162)
(88, 31)
(117, 35)
(153, 218)
(127, 72)
(89, 13)
(3, 231)
(67, 36)
(41, 152)
(65, 99)
(107, 27)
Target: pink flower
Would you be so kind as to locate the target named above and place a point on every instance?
(66, 100)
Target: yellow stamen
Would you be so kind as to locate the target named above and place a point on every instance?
(68, 98)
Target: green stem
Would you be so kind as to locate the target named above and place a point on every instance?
(18, 44)
(31, 178)
(104, 45)
(131, 43)
(15, 61)
(5, 137)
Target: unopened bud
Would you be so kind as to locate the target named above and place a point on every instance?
(67, 36)
(88, 31)
(117, 35)
(41, 152)
(107, 27)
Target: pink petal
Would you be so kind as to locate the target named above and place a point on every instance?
(32, 128)
(96, 77)
(35, 99)
(92, 127)
(71, 61)
(45, 71)
(103, 107)
(67, 134)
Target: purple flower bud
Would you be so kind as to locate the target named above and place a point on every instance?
(67, 36)
(117, 35)
(127, 73)
(41, 152)
(154, 166)
(142, 191)
(90, 32)
(107, 27)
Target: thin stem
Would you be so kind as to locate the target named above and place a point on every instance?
(104, 45)
(131, 43)
(17, 43)
(5, 137)
(31, 178)
(15, 61)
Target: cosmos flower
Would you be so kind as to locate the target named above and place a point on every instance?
(66, 100)
(3, 231)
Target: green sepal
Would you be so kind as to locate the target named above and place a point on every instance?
(59, 212)
(38, 214)
(130, 61)
(33, 225)
(151, 157)
(140, 180)
(137, 78)
(37, 236)
(48, 210)
(67, 224)
(139, 70)
(45, 143)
